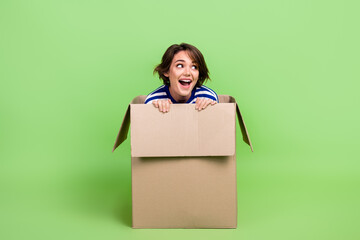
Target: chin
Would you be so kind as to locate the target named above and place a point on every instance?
(185, 93)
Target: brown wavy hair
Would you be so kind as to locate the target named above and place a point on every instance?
(194, 54)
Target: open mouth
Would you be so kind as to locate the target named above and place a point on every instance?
(185, 83)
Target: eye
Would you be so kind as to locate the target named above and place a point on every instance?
(179, 65)
(194, 67)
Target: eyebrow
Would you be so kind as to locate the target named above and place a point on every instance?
(180, 60)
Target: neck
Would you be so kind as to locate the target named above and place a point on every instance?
(178, 98)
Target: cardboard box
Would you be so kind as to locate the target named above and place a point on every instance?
(183, 164)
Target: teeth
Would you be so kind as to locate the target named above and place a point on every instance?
(186, 81)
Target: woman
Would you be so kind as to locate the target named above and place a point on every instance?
(183, 71)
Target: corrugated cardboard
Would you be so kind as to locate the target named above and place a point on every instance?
(183, 164)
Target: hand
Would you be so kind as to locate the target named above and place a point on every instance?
(163, 105)
(202, 103)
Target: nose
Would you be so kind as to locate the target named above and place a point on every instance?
(187, 71)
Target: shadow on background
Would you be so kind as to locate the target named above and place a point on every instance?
(101, 193)
(123, 212)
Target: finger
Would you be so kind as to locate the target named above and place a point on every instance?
(198, 103)
(207, 102)
(161, 107)
(166, 106)
(169, 102)
(204, 104)
(155, 103)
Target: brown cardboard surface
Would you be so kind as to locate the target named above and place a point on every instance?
(183, 131)
(190, 192)
(122, 135)
(183, 164)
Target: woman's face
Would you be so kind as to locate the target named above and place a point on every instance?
(183, 74)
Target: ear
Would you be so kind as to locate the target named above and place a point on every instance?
(166, 74)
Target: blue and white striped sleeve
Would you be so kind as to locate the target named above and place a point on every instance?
(157, 94)
(205, 92)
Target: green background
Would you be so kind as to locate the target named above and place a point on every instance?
(68, 69)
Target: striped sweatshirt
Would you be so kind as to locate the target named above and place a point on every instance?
(198, 92)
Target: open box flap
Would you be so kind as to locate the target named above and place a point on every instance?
(124, 129)
(122, 135)
(244, 132)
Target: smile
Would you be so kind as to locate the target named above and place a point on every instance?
(185, 82)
